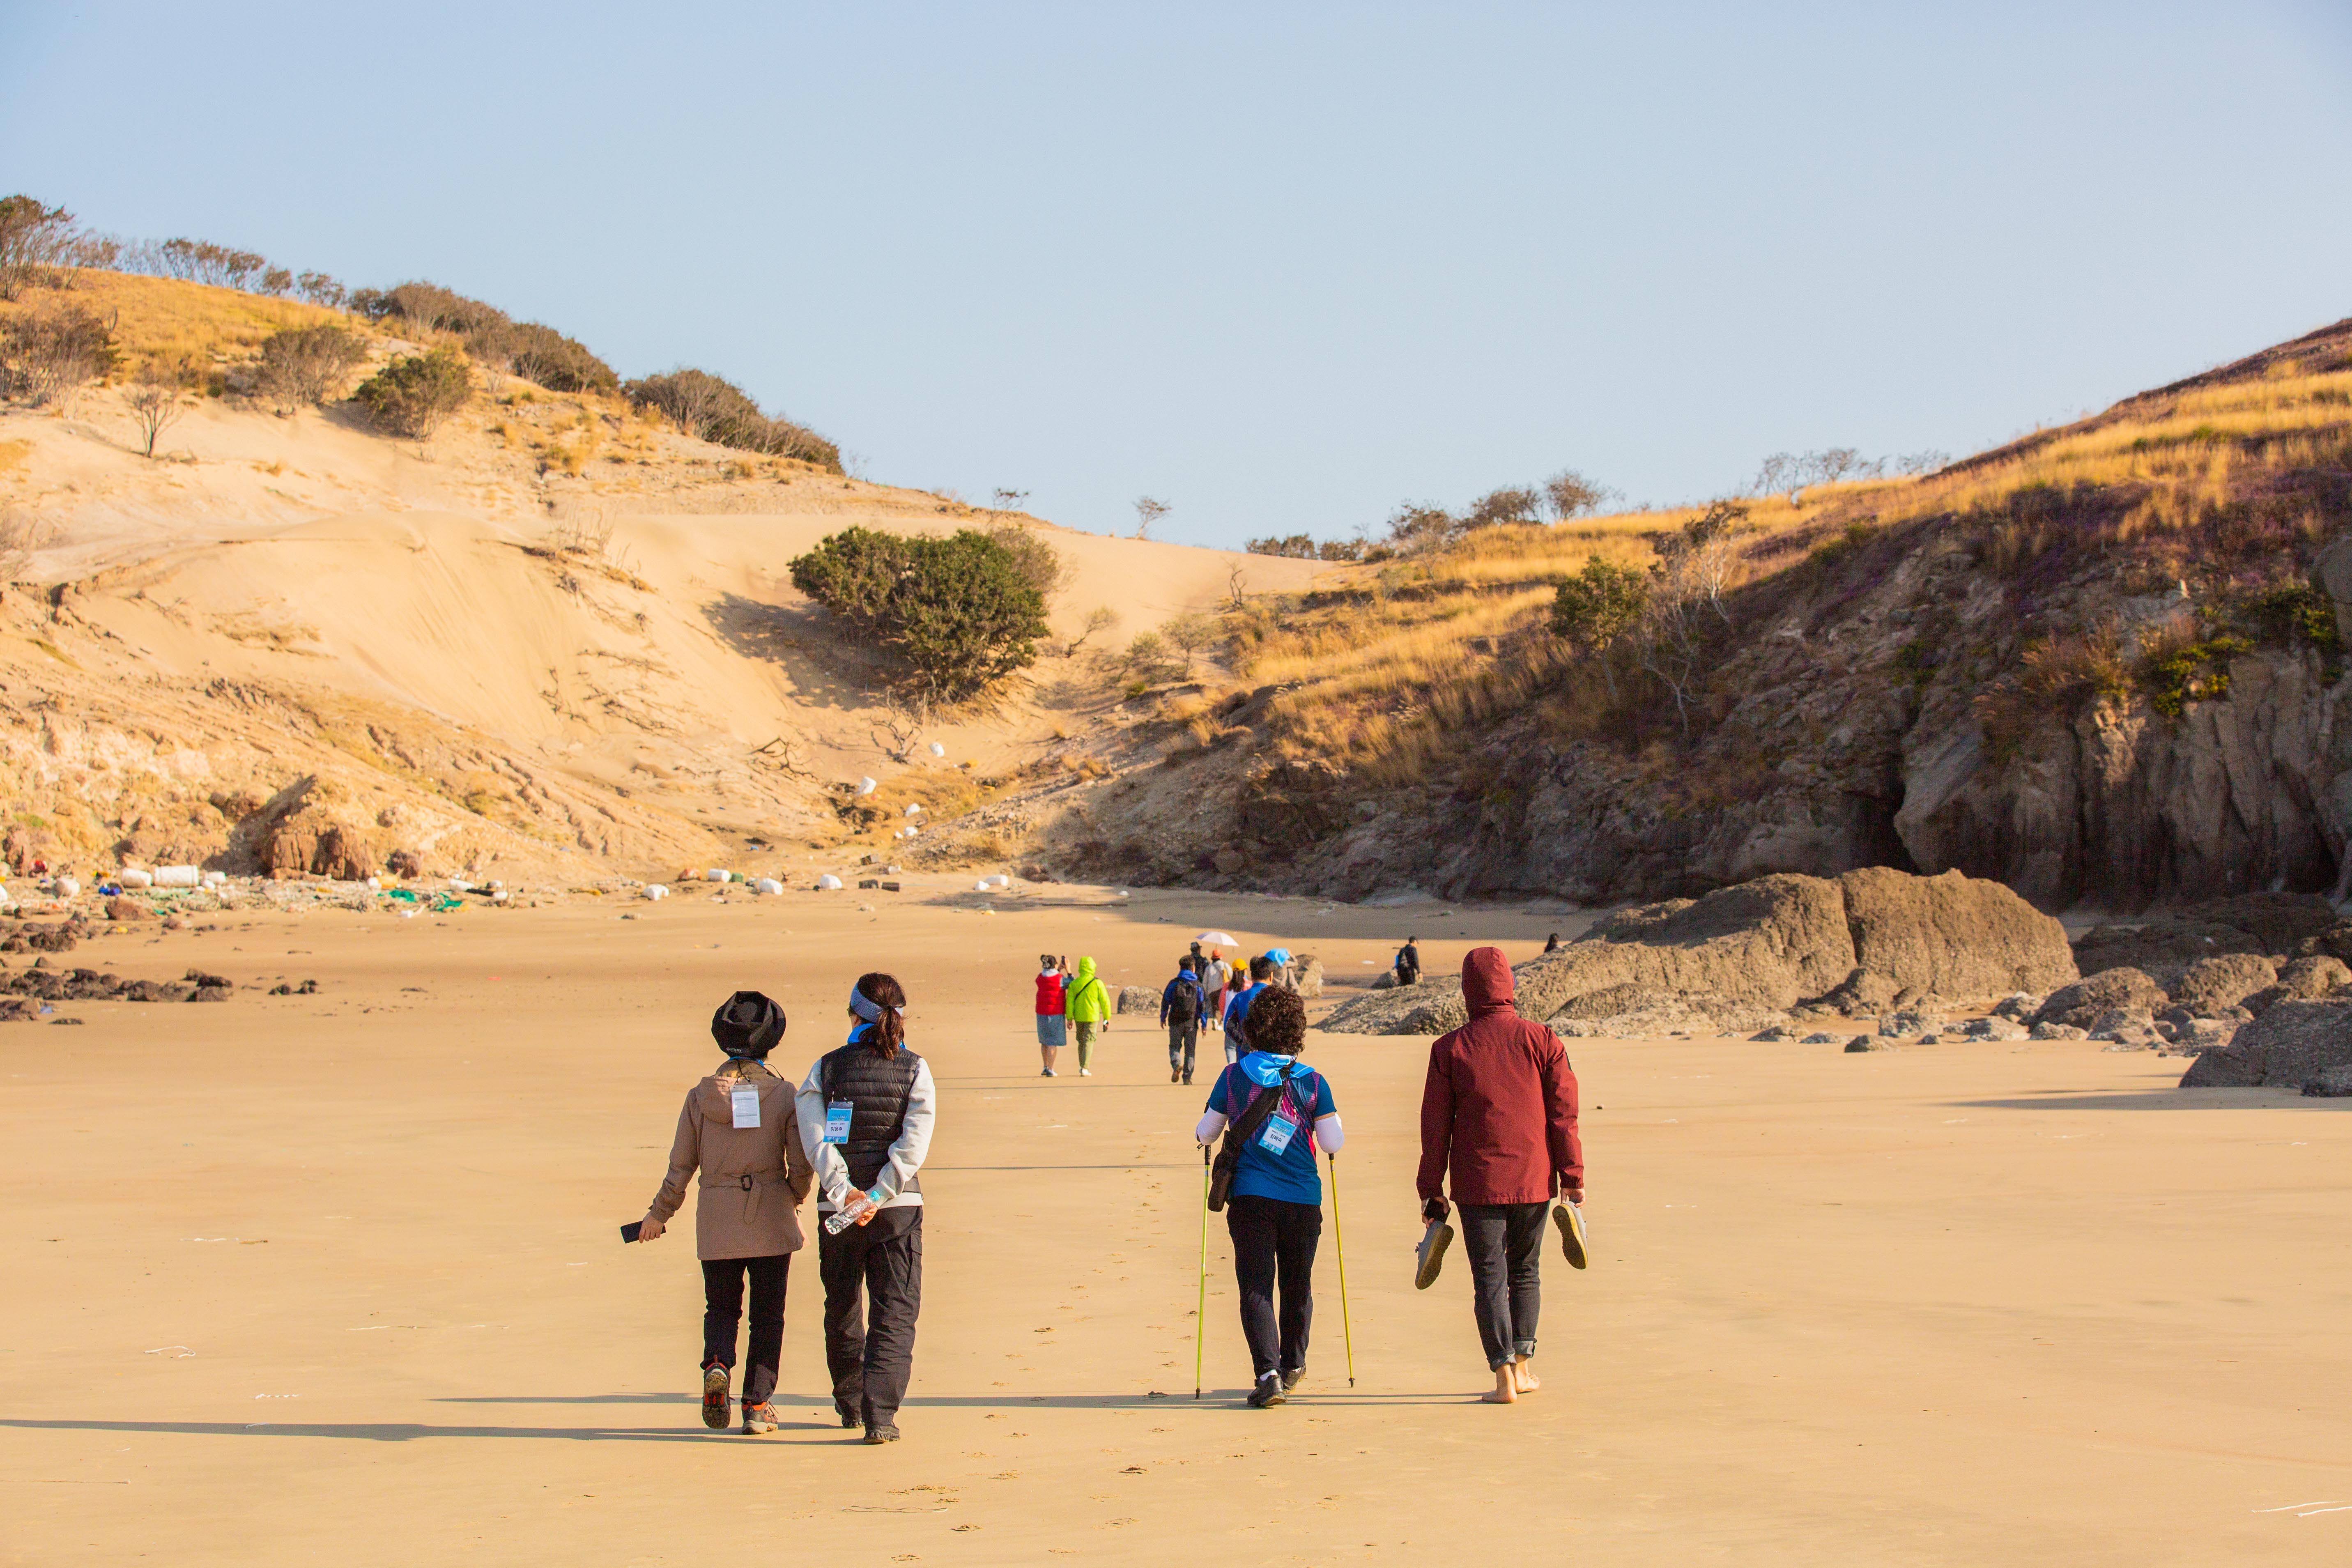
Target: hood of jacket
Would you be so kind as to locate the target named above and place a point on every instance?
(1085, 969)
(1265, 1070)
(1487, 984)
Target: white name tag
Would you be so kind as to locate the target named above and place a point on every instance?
(836, 1120)
(1279, 1130)
(747, 1106)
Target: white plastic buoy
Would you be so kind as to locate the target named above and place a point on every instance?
(68, 888)
(769, 886)
(828, 883)
(715, 875)
(214, 879)
(1000, 880)
(133, 877)
(982, 886)
(913, 809)
(376, 882)
(656, 890)
(865, 787)
(501, 896)
(889, 870)
(459, 885)
(938, 750)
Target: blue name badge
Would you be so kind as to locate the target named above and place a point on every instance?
(836, 1120)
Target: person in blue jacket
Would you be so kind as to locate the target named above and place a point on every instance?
(1275, 1211)
(1181, 1005)
(1237, 1044)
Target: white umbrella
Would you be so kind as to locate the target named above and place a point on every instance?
(1215, 939)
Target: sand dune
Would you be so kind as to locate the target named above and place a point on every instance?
(411, 589)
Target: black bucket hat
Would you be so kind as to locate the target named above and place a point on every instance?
(747, 1025)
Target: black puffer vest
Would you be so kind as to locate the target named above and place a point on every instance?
(879, 1090)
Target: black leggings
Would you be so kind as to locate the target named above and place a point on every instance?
(1272, 1238)
(722, 1309)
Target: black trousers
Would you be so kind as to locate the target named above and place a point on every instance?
(1183, 1037)
(873, 1275)
(1273, 1239)
(722, 1309)
(1506, 1244)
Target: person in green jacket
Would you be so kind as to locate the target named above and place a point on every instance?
(1089, 1007)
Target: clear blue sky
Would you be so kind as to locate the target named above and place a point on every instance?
(1284, 266)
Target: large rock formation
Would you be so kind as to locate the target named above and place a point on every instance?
(1764, 946)
(2289, 1045)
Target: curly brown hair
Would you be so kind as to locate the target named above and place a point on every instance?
(1276, 1022)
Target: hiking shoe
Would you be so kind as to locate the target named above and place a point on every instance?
(1188, 1077)
(1171, 1075)
(881, 1434)
(1047, 1072)
(758, 1418)
(1267, 1393)
(714, 1397)
(848, 1417)
(1292, 1378)
(1569, 1217)
(1086, 1072)
(1430, 1255)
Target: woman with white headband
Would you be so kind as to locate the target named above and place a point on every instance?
(866, 1112)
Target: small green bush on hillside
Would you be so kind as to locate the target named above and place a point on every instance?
(411, 396)
(962, 613)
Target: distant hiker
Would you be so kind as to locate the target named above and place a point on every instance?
(1217, 987)
(1282, 1111)
(1285, 972)
(865, 1114)
(1053, 1029)
(1408, 962)
(1090, 1008)
(1181, 1005)
(1552, 943)
(1261, 970)
(738, 1128)
(1498, 1113)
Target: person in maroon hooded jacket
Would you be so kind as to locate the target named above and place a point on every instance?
(1498, 1116)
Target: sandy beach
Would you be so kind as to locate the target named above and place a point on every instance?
(337, 1277)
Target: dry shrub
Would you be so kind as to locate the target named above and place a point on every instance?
(2057, 680)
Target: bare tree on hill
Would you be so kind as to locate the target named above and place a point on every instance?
(1147, 512)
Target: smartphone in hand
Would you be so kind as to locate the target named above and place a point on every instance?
(629, 1231)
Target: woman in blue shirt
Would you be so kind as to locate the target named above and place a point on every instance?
(1275, 1213)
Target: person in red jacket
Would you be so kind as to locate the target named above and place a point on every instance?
(1498, 1116)
(1053, 1010)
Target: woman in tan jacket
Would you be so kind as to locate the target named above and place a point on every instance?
(739, 1128)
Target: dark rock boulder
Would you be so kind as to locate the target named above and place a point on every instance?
(2079, 1004)
(2289, 1045)
(2210, 985)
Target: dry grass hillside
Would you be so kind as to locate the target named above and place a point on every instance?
(558, 633)
(2036, 642)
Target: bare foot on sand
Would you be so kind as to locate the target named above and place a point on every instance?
(1507, 1388)
(1526, 1376)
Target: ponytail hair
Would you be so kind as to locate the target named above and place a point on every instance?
(886, 1032)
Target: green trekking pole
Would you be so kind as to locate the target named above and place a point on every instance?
(1200, 1313)
(1339, 1237)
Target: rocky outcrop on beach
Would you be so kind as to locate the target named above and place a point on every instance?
(1741, 956)
(2290, 1045)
